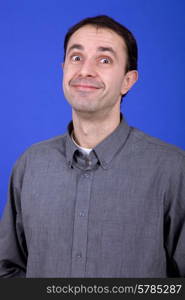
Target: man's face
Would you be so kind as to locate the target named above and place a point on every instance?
(94, 69)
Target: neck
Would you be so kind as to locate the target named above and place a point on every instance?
(90, 130)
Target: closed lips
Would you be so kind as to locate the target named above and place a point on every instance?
(86, 84)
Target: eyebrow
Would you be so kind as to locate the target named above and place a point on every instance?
(99, 49)
(108, 49)
(75, 46)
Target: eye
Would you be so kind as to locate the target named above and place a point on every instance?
(76, 58)
(105, 60)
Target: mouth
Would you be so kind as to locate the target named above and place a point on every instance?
(85, 87)
(86, 84)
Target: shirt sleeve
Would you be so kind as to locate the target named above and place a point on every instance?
(13, 250)
(174, 225)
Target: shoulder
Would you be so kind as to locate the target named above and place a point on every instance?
(155, 154)
(55, 143)
(42, 151)
(145, 142)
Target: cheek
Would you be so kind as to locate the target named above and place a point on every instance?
(113, 83)
(118, 79)
(113, 78)
(65, 81)
(66, 78)
(68, 74)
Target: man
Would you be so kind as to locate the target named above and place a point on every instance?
(105, 199)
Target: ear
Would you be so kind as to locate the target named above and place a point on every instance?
(128, 81)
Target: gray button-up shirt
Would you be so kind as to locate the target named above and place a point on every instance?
(120, 212)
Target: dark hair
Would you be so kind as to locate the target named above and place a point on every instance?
(104, 21)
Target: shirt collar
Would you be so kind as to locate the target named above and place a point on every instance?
(106, 150)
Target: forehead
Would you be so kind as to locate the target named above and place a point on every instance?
(89, 35)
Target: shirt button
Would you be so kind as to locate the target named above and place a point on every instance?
(89, 163)
(86, 175)
(82, 214)
(104, 164)
(79, 255)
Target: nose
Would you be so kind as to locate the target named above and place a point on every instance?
(87, 69)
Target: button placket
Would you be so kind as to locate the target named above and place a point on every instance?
(81, 224)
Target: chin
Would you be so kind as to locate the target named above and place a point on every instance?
(84, 109)
(83, 105)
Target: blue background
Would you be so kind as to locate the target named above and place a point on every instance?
(33, 107)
